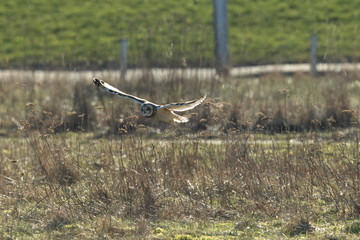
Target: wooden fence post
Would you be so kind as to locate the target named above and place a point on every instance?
(221, 37)
(123, 58)
(313, 55)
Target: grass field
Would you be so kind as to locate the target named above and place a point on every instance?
(274, 157)
(77, 186)
(86, 34)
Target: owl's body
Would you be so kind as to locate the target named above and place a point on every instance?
(164, 113)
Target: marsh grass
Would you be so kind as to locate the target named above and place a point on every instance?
(54, 182)
(113, 175)
(270, 104)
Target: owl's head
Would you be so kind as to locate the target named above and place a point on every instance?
(147, 110)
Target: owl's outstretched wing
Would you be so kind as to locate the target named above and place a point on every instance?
(184, 106)
(108, 88)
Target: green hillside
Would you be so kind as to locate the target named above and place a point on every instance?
(86, 34)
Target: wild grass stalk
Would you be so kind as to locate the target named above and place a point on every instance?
(63, 104)
(54, 177)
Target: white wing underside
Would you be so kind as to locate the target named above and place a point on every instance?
(184, 106)
(164, 112)
(113, 90)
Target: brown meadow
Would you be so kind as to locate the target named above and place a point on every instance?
(275, 156)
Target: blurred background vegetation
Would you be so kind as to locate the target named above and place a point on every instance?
(83, 34)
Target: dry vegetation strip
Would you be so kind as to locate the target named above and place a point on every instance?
(74, 164)
(268, 104)
(48, 182)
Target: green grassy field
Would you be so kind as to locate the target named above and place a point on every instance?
(274, 157)
(86, 34)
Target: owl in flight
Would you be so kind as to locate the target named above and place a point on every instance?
(163, 113)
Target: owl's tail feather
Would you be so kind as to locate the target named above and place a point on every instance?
(180, 119)
(166, 115)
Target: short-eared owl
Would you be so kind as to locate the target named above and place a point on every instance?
(163, 113)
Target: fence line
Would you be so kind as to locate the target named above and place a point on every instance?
(164, 73)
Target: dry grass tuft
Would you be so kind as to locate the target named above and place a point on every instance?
(297, 227)
(57, 222)
(63, 105)
(53, 161)
(354, 228)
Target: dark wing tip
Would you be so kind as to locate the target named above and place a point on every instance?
(98, 82)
